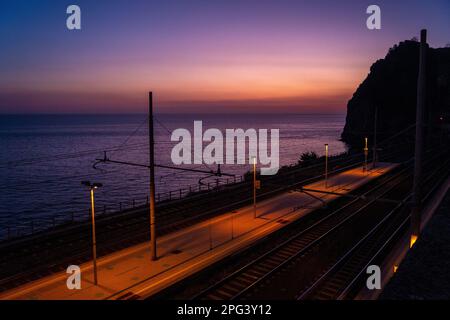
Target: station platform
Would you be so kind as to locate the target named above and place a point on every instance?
(131, 274)
(420, 272)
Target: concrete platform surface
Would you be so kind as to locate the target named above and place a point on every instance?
(424, 273)
(131, 273)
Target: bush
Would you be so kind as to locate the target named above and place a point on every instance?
(307, 158)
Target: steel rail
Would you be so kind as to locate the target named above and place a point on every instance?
(297, 236)
(348, 254)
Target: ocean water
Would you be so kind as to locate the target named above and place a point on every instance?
(44, 158)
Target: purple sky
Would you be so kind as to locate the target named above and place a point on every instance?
(199, 56)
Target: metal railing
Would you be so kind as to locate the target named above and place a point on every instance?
(26, 226)
(30, 226)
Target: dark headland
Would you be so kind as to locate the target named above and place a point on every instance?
(391, 87)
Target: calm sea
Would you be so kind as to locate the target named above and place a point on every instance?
(44, 158)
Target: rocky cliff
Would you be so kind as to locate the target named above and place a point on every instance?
(391, 87)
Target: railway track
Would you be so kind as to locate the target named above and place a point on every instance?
(251, 280)
(41, 255)
(242, 280)
(343, 279)
(32, 258)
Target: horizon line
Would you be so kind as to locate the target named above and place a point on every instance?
(168, 113)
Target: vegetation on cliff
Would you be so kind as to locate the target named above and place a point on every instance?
(391, 87)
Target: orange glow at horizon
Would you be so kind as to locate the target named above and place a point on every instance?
(282, 84)
(273, 56)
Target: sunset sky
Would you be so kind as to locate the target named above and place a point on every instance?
(199, 56)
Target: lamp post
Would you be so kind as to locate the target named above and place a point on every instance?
(254, 187)
(92, 187)
(366, 153)
(152, 205)
(326, 165)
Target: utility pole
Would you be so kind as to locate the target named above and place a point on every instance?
(151, 145)
(254, 187)
(421, 101)
(326, 165)
(374, 161)
(151, 166)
